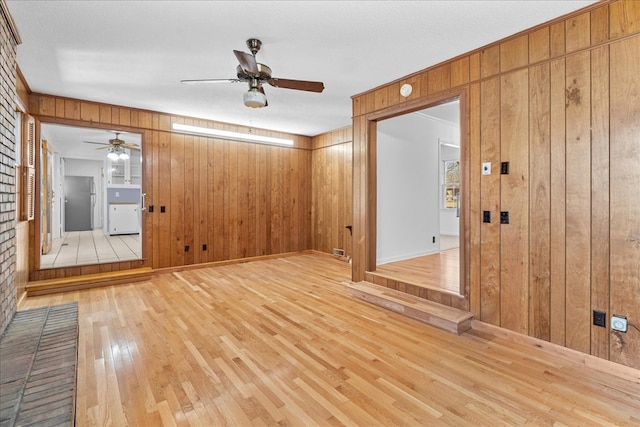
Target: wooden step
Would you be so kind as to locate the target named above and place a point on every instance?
(74, 283)
(444, 317)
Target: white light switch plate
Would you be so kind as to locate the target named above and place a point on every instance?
(486, 168)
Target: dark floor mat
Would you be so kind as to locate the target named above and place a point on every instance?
(38, 363)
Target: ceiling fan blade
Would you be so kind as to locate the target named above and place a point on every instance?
(247, 62)
(199, 81)
(297, 85)
(99, 143)
(131, 146)
(104, 148)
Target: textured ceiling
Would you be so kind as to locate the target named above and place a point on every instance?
(134, 53)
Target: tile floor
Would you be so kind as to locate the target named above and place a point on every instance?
(91, 247)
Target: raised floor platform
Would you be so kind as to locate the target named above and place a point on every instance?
(38, 362)
(442, 316)
(65, 284)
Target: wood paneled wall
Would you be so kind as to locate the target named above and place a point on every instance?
(332, 191)
(241, 200)
(561, 104)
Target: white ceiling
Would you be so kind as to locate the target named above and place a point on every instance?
(74, 142)
(134, 53)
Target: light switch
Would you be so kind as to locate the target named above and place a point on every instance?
(486, 168)
(117, 194)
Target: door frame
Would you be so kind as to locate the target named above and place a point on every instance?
(365, 184)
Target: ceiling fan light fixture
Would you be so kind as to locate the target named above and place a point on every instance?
(112, 155)
(123, 155)
(254, 98)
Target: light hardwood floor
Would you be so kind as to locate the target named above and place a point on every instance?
(435, 271)
(280, 342)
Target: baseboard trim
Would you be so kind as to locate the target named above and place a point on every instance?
(573, 356)
(180, 268)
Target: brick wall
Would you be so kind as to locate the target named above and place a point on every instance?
(8, 288)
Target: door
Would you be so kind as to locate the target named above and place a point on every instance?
(79, 199)
(47, 197)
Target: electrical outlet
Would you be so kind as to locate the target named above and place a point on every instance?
(600, 318)
(504, 217)
(619, 323)
(504, 168)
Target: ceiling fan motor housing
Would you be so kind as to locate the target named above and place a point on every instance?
(264, 73)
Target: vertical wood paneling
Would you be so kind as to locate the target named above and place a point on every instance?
(600, 196)
(578, 196)
(625, 18)
(558, 203)
(600, 25)
(202, 236)
(242, 178)
(189, 200)
(225, 207)
(164, 247)
(490, 61)
(219, 219)
(514, 194)
(539, 45)
(514, 53)
(331, 176)
(475, 199)
(89, 112)
(557, 39)
(625, 198)
(540, 201)
(262, 183)
(578, 32)
(276, 214)
(288, 203)
(234, 187)
(460, 71)
(175, 204)
(251, 196)
(490, 193)
(439, 79)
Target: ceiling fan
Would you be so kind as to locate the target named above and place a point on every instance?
(256, 74)
(114, 143)
(116, 147)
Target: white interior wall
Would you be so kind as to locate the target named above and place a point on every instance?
(408, 186)
(407, 190)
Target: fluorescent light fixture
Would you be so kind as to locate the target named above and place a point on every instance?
(235, 136)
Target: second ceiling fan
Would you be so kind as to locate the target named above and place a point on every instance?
(256, 74)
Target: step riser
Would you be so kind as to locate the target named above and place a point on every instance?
(443, 317)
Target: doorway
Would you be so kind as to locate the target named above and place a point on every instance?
(91, 172)
(418, 197)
